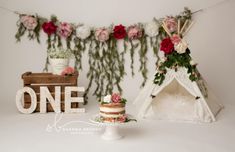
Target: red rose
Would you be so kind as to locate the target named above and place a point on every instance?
(49, 27)
(167, 46)
(119, 32)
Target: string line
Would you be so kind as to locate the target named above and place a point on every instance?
(194, 12)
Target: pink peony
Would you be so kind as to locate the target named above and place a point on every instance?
(29, 22)
(134, 32)
(102, 34)
(175, 39)
(171, 24)
(116, 98)
(65, 29)
(68, 71)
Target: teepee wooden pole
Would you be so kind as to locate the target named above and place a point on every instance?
(185, 23)
(165, 28)
(178, 31)
(189, 27)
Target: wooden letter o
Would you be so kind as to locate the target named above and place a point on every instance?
(20, 100)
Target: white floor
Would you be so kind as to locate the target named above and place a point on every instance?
(28, 133)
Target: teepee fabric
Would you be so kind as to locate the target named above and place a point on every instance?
(177, 98)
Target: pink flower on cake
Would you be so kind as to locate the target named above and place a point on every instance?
(171, 23)
(29, 22)
(134, 32)
(175, 39)
(64, 29)
(122, 118)
(68, 71)
(116, 98)
(102, 34)
(112, 120)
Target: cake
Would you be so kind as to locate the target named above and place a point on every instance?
(112, 109)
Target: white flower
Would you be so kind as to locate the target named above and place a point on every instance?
(192, 62)
(107, 99)
(83, 32)
(181, 47)
(151, 28)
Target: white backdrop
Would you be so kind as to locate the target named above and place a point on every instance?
(212, 39)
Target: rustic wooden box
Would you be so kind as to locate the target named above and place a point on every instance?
(36, 80)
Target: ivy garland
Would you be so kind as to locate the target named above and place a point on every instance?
(106, 61)
(106, 67)
(173, 61)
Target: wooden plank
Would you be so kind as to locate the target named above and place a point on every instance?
(69, 80)
(48, 78)
(49, 107)
(51, 88)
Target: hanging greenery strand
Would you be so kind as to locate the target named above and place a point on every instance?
(143, 58)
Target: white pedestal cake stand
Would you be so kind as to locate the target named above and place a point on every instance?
(111, 128)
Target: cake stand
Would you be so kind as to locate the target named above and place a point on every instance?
(111, 131)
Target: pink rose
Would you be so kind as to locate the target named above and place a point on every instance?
(64, 29)
(29, 22)
(171, 24)
(102, 34)
(116, 98)
(175, 39)
(122, 118)
(68, 71)
(134, 32)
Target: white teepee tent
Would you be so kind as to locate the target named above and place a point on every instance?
(177, 98)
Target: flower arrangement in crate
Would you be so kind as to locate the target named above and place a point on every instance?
(59, 61)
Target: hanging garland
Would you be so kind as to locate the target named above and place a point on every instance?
(106, 60)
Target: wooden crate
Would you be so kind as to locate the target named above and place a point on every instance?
(36, 80)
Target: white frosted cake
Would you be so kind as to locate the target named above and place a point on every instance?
(112, 108)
